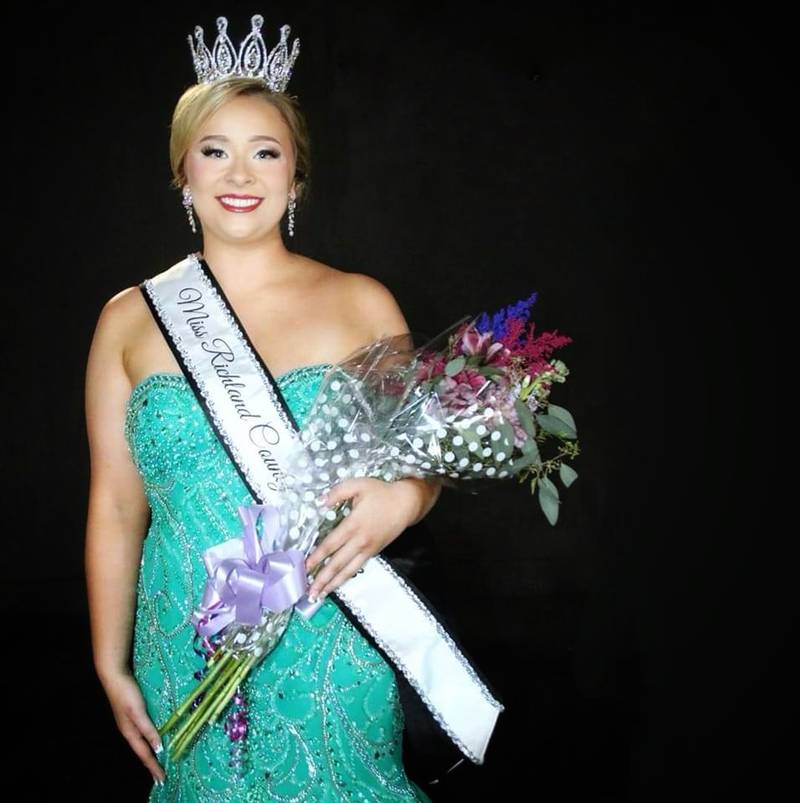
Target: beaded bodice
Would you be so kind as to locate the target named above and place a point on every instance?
(162, 409)
(324, 717)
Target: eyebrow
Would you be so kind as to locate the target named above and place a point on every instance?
(256, 138)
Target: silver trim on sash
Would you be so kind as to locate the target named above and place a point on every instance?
(227, 373)
(251, 419)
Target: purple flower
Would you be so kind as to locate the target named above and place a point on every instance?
(497, 323)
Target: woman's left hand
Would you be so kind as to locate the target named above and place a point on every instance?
(380, 512)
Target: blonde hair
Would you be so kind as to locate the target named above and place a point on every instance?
(201, 101)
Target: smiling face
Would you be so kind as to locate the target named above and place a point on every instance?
(240, 168)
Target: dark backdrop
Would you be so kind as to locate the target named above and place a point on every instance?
(618, 161)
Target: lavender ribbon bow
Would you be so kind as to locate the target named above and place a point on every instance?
(246, 575)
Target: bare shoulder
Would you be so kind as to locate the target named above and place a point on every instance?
(119, 313)
(376, 303)
(369, 300)
(123, 323)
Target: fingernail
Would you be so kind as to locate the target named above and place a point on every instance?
(159, 747)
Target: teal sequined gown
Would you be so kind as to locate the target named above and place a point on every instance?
(325, 720)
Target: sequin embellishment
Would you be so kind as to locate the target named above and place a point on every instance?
(325, 720)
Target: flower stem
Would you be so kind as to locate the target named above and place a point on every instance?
(197, 717)
(230, 688)
(213, 704)
(217, 667)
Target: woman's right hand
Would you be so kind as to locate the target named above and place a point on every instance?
(130, 712)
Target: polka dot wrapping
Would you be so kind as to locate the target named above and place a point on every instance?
(370, 419)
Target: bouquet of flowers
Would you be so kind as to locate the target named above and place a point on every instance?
(471, 404)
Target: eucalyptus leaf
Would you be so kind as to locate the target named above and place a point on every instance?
(525, 417)
(548, 499)
(556, 426)
(530, 446)
(562, 413)
(568, 474)
(460, 450)
(550, 486)
(505, 443)
(455, 365)
(521, 462)
(471, 436)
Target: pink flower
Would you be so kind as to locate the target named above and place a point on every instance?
(474, 342)
(502, 404)
(461, 390)
(468, 387)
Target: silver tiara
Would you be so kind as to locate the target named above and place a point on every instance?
(252, 61)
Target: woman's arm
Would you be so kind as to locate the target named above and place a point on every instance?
(426, 491)
(115, 528)
(118, 511)
(377, 305)
(381, 511)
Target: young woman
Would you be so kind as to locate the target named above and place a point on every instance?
(325, 720)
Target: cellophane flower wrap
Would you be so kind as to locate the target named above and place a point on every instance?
(472, 404)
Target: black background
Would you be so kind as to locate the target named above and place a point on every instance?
(623, 163)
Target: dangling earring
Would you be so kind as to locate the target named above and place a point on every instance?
(291, 213)
(187, 203)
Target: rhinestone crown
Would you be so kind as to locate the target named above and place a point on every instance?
(253, 60)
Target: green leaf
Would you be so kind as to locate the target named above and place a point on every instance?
(525, 417)
(548, 499)
(563, 414)
(568, 474)
(520, 462)
(461, 450)
(454, 366)
(530, 446)
(556, 426)
(505, 443)
(470, 435)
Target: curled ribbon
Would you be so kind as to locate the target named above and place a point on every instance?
(247, 574)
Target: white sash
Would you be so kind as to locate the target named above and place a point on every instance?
(249, 414)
